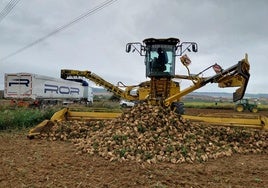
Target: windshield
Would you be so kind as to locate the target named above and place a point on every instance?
(160, 60)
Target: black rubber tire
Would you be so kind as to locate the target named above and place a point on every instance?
(178, 107)
(124, 105)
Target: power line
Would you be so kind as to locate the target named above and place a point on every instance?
(63, 27)
(8, 8)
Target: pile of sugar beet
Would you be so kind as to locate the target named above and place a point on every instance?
(154, 134)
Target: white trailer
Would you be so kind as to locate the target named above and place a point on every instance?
(45, 89)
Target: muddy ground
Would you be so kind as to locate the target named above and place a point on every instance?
(41, 163)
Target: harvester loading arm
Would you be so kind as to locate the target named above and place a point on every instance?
(65, 73)
(235, 76)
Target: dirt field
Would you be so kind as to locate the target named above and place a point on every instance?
(40, 163)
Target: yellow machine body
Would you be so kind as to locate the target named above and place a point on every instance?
(67, 115)
(162, 89)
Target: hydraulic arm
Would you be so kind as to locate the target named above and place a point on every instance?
(235, 76)
(65, 73)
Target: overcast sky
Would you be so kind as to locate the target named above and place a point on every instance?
(224, 30)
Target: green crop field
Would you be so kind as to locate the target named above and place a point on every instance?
(18, 118)
(211, 105)
(217, 105)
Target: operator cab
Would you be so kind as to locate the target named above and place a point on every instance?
(160, 57)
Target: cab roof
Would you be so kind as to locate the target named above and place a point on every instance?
(152, 41)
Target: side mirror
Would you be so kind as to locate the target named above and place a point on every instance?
(128, 48)
(194, 47)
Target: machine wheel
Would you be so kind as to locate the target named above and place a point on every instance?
(124, 105)
(239, 108)
(178, 107)
(254, 110)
